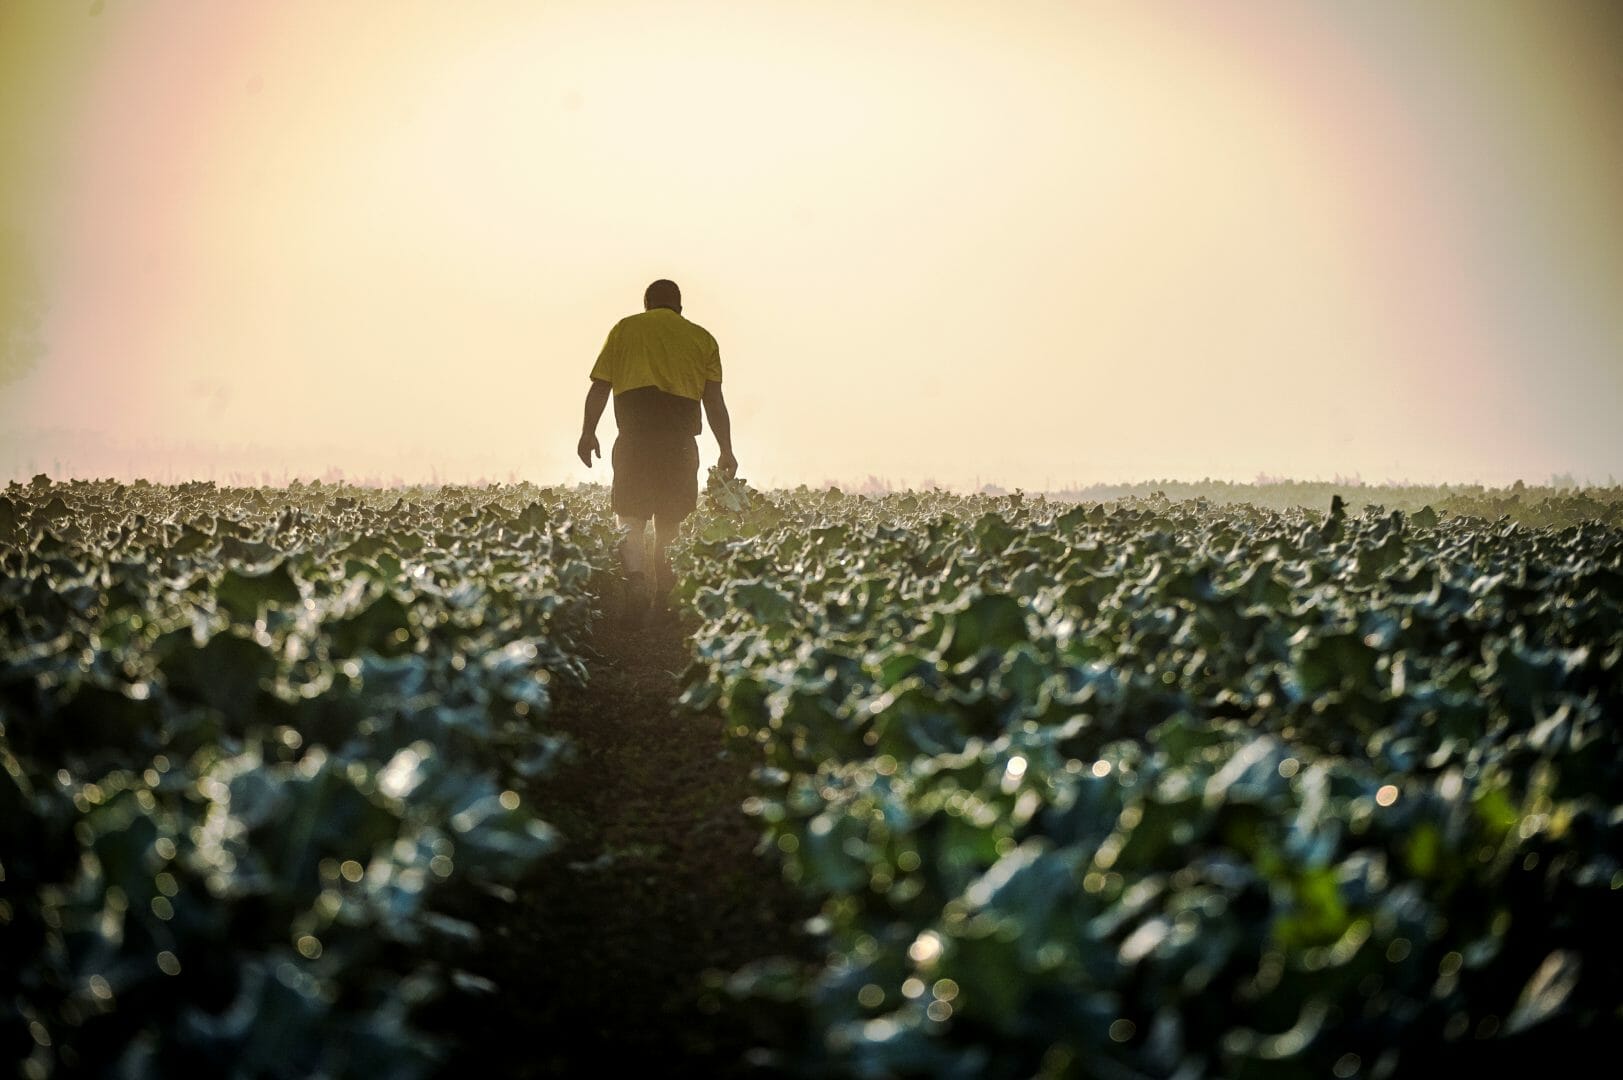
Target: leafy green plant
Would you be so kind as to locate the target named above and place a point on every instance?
(1168, 788)
(256, 748)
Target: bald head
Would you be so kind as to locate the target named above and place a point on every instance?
(662, 293)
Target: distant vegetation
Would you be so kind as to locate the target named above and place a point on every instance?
(1525, 503)
(1557, 502)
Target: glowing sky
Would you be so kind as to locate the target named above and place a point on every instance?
(1029, 243)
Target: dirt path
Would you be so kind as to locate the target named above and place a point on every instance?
(603, 961)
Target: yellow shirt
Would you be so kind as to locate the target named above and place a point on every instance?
(661, 349)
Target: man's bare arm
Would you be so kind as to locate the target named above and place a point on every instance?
(596, 398)
(715, 410)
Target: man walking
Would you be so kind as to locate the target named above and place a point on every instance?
(660, 368)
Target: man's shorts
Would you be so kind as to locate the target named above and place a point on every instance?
(656, 478)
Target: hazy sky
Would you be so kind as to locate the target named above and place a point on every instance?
(1028, 243)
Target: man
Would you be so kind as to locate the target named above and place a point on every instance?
(660, 368)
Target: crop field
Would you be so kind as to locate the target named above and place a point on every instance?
(343, 781)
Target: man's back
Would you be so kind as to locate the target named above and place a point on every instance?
(659, 348)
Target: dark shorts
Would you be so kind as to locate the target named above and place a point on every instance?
(656, 478)
(656, 457)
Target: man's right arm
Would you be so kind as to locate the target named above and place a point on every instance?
(596, 398)
(715, 410)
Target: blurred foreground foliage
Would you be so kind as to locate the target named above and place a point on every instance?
(1162, 788)
(1143, 788)
(255, 745)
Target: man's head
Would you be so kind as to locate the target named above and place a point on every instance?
(664, 294)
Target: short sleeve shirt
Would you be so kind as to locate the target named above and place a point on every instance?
(661, 349)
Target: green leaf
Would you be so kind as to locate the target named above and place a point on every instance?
(247, 594)
(982, 622)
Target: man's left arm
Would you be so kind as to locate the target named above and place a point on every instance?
(721, 425)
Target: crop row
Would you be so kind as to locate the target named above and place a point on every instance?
(1165, 789)
(255, 748)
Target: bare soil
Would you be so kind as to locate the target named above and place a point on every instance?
(612, 958)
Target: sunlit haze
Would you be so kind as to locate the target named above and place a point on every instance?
(1033, 244)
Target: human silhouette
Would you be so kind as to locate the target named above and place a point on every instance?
(660, 367)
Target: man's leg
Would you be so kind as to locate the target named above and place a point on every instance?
(632, 499)
(681, 499)
(634, 560)
(634, 548)
(665, 527)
